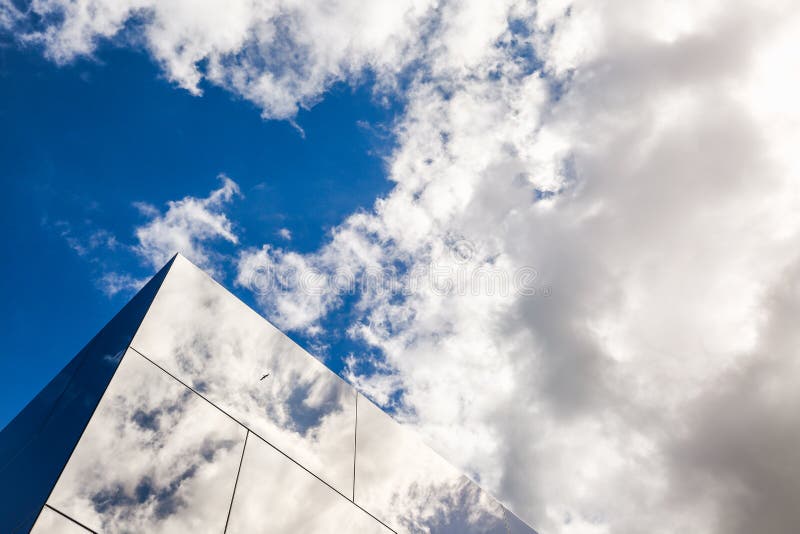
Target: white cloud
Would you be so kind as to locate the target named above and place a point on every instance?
(112, 283)
(297, 290)
(647, 171)
(187, 226)
(9, 14)
(668, 197)
(279, 54)
(285, 233)
(87, 240)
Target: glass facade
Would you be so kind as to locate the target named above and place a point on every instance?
(36, 444)
(155, 458)
(516, 525)
(52, 522)
(213, 342)
(299, 503)
(411, 488)
(209, 419)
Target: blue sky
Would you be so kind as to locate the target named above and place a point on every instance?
(81, 143)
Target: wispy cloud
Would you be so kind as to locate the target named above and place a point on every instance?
(87, 240)
(112, 283)
(187, 226)
(191, 226)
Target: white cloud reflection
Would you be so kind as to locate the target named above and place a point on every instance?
(155, 457)
(207, 338)
(298, 503)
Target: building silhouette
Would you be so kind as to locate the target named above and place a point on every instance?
(190, 413)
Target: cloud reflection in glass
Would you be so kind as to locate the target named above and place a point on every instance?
(277, 496)
(155, 457)
(213, 342)
(412, 489)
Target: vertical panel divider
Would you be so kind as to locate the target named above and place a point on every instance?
(236, 482)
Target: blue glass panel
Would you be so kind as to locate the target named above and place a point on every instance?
(38, 442)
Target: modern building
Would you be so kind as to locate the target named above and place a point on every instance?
(190, 413)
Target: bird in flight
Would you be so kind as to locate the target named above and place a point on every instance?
(263, 377)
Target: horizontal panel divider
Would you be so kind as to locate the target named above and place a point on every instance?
(251, 431)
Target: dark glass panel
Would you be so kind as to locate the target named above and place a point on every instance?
(37, 443)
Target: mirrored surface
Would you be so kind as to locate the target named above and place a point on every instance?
(36, 444)
(207, 338)
(32, 418)
(276, 495)
(409, 487)
(516, 525)
(155, 457)
(50, 522)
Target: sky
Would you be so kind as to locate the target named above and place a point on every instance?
(558, 238)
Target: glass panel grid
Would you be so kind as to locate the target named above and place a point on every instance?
(276, 495)
(205, 337)
(155, 457)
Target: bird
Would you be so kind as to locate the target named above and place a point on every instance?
(263, 377)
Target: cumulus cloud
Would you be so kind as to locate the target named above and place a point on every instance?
(279, 54)
(187, 226)
(297, 290)
(637, 157)
(643, 172)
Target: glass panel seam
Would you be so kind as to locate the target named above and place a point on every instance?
(68, 517)
(83, 431)
(251, 431)
(168, 268)
(84, 356)
(190, 388)
(339, 493)
(236, 482)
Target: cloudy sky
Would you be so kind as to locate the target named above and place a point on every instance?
(559, 238)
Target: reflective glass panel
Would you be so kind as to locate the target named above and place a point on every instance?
(50, 522)
(155, 457)
(207, 338)
(276, 495)
(35, 446)
(516, 525)
(409, 487)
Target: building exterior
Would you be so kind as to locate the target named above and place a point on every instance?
(189, 412)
